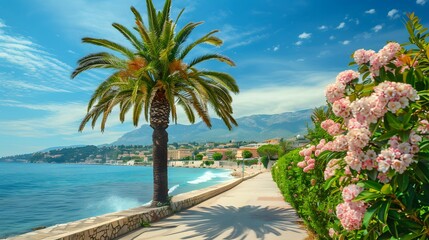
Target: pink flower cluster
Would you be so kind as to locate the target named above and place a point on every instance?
(351, 212)
(363, 56)
(383, 57)
(331, 167)
(309, 163)
(331, 127)
(387, 96)
(423, 127)
(341, 108)
(336, 91)
(396, 95)
(399, 155)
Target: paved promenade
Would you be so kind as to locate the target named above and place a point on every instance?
(253, 210)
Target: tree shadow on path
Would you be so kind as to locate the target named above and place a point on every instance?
(211, 222)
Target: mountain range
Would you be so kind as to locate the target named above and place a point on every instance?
(250, 128)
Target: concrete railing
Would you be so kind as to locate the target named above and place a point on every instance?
(113, 225)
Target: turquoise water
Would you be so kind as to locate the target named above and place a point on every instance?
(34, 195)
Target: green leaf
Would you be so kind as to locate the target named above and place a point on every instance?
(387, 135)
(370, 213)
(368, 196)
(372, 185)
(403, 181)
(393, 121)
(387, 189)
(383, 212)
(424, 145)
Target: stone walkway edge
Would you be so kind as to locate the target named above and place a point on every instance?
(113, 225)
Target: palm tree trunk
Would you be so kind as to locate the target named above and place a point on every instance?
(159, 119)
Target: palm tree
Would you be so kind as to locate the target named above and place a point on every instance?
(154, 78)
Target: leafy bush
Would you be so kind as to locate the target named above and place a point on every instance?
(247, 162)
(247, 154)
(217, 156)
(208, 162)
(199, 157)
(370, 177)
(305, 193)
(264, 161)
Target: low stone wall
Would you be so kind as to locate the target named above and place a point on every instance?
(113, 225)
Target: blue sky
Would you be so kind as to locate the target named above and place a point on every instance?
(286, 53)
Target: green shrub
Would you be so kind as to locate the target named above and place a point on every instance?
(247, 162)
(247, 154)
(264, 161)
(305, 193)
(217, 156)
(208, 162)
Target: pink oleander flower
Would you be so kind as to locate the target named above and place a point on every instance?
(362, 56)
(335, 129)
(326, 124)
(351, 214)
(358, 138)
(330, 169)
(321, 144)
(332, 232)
(423, 127)
(347, 76)
(339, 144)
(415, 138)
(335, 92)
(302, 164)
(350, 192)
(354, 159)
(341, 108)
(383, 178)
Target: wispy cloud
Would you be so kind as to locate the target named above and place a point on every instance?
(345, 42)
(306, 91)
(370, 11)
(59, 120)
(21, 57)
(234, 37)
(276, 48)
(341, 25)
(393, 14)
(304, 35)
(323, 27)
(298, 43)
(421, 2)
(2, 24)
(377, 28)
(13, 85)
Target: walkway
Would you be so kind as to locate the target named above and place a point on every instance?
(255, 209)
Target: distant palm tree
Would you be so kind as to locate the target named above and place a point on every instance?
(153, 78)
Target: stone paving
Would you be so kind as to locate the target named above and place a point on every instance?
(255, 209)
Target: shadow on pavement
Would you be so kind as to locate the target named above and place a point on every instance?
(211, 222)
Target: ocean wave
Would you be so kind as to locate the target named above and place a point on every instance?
(114, 204)
(208, 176)
(173, 188)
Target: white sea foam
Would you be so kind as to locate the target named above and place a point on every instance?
(114, 204)
(173, 188)
(208, 176)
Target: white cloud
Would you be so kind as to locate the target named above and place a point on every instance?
(234, 37)
(370, 11)
(13, 85)
(341, 25)
(56, 120)
(421, 2)
(300, 60)
(2, 24)
(323, 27)
(298, 43)
(377, 28)
(393, 14)
(276, 48)
(307, 92)
(331, 37)
(346, 42)
(20, 55)
(304, 35)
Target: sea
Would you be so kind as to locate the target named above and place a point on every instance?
(42, 195)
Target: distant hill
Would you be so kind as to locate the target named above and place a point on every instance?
(61, 147)
(256, 127)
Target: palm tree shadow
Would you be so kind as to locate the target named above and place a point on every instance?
(211, 222)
